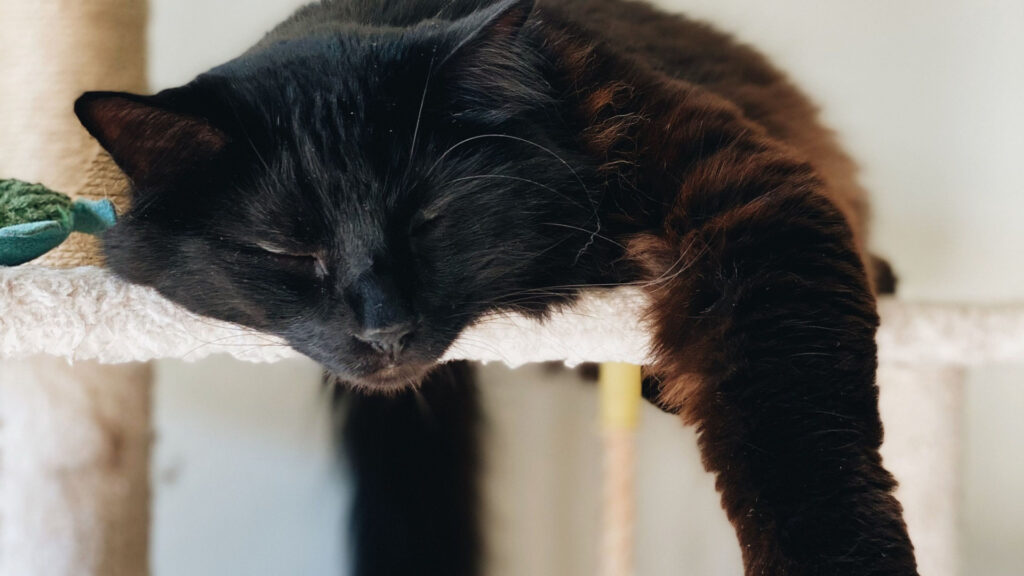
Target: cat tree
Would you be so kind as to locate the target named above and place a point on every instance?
(74, 389)
(74, 442)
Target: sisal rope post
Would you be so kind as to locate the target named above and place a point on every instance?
(75, 436)
(619, 390)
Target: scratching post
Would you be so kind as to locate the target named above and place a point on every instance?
(75, 436)
(75, 493)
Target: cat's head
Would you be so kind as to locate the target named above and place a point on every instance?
(364, 193)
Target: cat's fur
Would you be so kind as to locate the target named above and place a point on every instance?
(414, 459)
(373, 176)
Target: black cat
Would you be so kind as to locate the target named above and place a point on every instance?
(372, 177)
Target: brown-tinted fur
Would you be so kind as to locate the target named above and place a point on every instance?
(696, 53)
(745, 222)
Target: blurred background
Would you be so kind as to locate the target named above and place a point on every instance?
(926, 94)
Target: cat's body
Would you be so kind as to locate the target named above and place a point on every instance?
(683, 49)
(373, 176)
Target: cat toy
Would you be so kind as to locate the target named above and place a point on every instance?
(35, 219)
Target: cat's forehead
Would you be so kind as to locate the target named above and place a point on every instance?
(354, 59)
(317, 90)
(340, 118)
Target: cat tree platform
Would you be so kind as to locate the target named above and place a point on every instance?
(86, 313)
(89, 318)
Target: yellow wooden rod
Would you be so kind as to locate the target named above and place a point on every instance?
(620, 399)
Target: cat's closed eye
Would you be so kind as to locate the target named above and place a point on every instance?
(307, 262)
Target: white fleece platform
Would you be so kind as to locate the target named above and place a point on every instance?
(88, 314)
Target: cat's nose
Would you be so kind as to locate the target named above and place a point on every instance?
(389, 340)
(384, 317)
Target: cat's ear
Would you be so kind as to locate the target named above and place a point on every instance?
(149, 139)
(496, 24)
(492, 76)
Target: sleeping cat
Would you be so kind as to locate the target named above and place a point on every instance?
(373, 176)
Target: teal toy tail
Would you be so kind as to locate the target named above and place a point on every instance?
(35, 219)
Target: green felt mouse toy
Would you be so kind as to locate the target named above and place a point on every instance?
(35, 220)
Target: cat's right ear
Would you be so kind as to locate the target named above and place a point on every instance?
(148, 140)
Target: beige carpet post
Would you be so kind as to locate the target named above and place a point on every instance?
(922, 412)
(74, 442)
(75, 494)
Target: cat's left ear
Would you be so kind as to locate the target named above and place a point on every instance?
(491, 75)
(498, 23)
(150, 140)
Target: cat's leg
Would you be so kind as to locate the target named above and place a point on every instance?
(414, 466)
(765, 328)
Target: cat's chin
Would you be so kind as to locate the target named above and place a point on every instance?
(389, 381)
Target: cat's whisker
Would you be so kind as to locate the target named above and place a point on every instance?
(445, 6)
(669, 274)
(517, 179)
(419, 114)
(585, 231)
(482, 345)
(541, 147)
(222, 342)
(552, 153)
(424, 408)
(506, 309)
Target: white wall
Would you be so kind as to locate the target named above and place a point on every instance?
(244, 475)
(927, 94)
